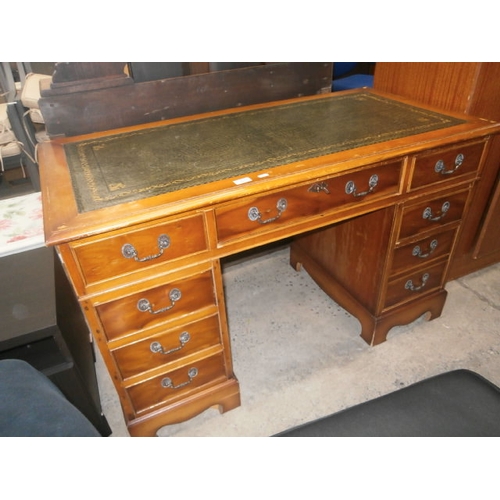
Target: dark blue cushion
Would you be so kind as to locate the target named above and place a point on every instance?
(32, 406)
(459, 403)
(352, 82)
(341, 68)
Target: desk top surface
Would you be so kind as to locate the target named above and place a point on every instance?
(110, 170)
(141, 168)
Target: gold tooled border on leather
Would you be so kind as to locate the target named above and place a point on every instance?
(130, 166)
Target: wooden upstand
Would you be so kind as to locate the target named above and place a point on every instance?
(372, 187)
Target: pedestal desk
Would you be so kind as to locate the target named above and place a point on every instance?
(371, 187)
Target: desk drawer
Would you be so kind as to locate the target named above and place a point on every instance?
(140, 248)
(446, 164)
(293, 205)
(430, 214)
(152, 307)
(167, 347)
(178, 383)
(427, 249)
(415, 284)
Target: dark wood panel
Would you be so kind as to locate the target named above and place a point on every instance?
(112, 100)
(354, 253)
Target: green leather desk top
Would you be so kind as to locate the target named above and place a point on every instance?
(133, 165)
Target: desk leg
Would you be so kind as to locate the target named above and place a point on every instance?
(374, 329)
(225, 397)
(375, 332)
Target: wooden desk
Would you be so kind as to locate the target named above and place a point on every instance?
(372, 188)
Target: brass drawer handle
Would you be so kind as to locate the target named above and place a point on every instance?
(410, 286)
(168, 384)
(145, 306)
(318, 187)
(157, 348)
(129, 251)
(417, 252)
(255, 216)
(428, 212)
(440, 167)
(350, 187)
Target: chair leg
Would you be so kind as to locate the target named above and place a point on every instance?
(15, 112)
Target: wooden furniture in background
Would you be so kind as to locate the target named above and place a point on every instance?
(373, 189)
(472, 88)
(111, 98)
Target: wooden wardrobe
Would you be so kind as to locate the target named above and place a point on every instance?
(472, 88)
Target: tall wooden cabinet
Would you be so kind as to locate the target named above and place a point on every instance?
(472, 88)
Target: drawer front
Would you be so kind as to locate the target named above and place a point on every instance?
(424, 250)
(133, 250)
(157, 305)
(415, 284)
(446, 164)
(167, 347)
(177, 383)
(431, 214)
(292, 205)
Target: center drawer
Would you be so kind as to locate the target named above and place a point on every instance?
(261, 213)
(154, 306)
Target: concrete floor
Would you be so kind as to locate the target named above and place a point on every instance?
(298, 355)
